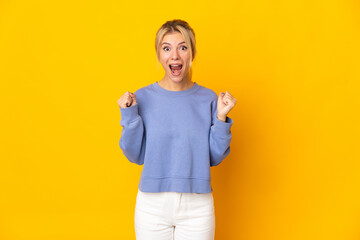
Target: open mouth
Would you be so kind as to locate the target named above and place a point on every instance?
(175, 69)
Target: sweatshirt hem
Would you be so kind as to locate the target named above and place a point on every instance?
(184, 185)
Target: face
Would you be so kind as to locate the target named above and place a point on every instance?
(174, 57)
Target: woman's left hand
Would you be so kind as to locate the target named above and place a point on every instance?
(224, 104)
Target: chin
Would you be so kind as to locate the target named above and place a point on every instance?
(176, 79)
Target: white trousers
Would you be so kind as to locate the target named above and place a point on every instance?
(174, 216)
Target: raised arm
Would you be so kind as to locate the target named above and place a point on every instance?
(220, 133)
(132, 141)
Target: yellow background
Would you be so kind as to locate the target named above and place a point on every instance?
(293, 172)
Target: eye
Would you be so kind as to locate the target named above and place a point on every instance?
(166, 48)
(183, 47)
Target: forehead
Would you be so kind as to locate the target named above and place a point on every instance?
(173, 38)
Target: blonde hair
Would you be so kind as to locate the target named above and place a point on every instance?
(181, 26)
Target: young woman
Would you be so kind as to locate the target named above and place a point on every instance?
(178, 129)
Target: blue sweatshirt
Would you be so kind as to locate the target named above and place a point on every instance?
(177, 136)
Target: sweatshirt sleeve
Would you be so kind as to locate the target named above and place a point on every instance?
(220, 137)
(132, 141)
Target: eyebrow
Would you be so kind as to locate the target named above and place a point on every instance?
(170, 44)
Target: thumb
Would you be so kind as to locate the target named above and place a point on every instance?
(221, 96)
(133, 96)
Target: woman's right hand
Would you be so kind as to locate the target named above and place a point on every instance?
(127, 100)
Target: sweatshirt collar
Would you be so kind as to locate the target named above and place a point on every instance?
(188, 91)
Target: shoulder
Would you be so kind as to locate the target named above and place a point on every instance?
(145, 92)
(207, 92)
(144, 89)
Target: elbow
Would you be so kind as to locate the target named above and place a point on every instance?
(136, 161)
(216, 159)
(133, 157)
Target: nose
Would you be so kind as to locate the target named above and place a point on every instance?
(174, 55)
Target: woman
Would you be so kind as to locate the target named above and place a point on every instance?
(178, 129)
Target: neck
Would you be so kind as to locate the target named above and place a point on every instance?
(170, 85)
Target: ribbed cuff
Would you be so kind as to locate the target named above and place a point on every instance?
(222, 128)
(129, 114)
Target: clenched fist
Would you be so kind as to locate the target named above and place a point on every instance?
(224, 104)
(127, 100)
